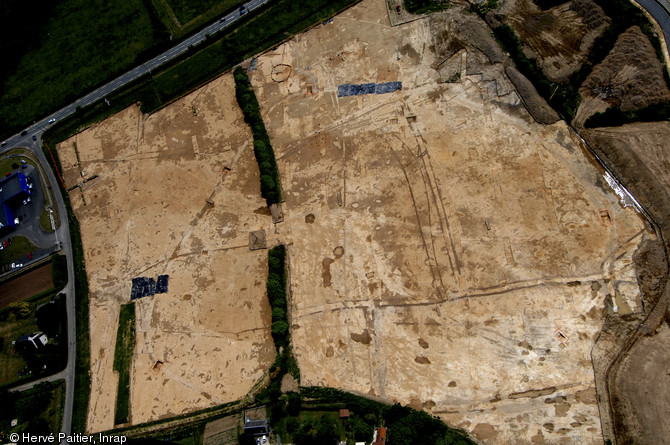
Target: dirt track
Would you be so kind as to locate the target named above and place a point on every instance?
(27, 285)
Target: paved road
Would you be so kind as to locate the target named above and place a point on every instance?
(660, 11)
(226, 21)
(63, 235)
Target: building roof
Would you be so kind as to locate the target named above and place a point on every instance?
(12, 186)
(255, 424)
(344, 412)
(379, 436)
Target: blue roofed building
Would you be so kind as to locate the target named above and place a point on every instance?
(14, 189)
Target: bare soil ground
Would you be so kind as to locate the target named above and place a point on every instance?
(29, 284)
(643, 403)
(206, 341)
(560, 38)
(446, 251)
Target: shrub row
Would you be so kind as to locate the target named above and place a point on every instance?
(276, 288)
(614, 117)
(59, 271)
(265, 156)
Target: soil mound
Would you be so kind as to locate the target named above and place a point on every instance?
(630, 76)
(536, 105)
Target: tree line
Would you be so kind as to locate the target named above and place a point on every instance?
(265, 156)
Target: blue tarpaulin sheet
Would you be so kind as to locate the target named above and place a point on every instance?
(349, 89)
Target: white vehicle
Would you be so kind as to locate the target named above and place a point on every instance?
(16, 221)
(52, 120)
(16, 265)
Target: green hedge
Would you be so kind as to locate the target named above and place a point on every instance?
(59, 271)
(265, 156)
(123, 356)
(276, 288)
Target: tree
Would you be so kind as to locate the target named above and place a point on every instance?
(278, 314)
(279, 328)
(293, 403)
(292, 424)
(275, 290)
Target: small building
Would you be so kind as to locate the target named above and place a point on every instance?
(379, 437)
(344, 413)
(256, 427)
(14, 189)
(32, 341)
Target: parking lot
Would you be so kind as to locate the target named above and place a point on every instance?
(28, 242)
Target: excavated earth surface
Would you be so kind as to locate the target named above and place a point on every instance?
(207, 340)
(445, 250)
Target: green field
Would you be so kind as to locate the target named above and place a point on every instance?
(184, 16)
(54, 52)
(123, 356)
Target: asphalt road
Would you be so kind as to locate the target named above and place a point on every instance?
(660, 11)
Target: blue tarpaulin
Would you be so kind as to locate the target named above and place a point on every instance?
(350, 89)
(146, 287)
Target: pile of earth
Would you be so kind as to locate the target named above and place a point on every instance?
(559, 38)
(631, 76)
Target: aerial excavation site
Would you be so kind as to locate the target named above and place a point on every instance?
(452, 243)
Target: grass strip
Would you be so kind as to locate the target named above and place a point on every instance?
(123, 356)
(265, 156)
